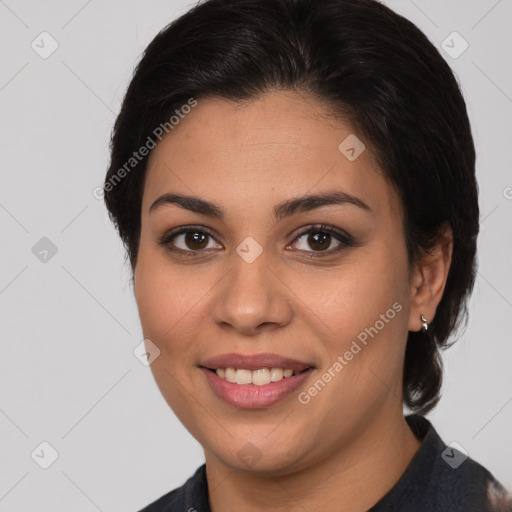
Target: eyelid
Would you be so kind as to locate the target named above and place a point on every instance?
(324, 228)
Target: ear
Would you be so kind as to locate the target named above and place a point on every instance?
(429, 280)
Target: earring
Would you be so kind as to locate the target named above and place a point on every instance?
(424, 326)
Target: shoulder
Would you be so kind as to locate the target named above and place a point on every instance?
(469, 486)
(444, 477)
(192, 496)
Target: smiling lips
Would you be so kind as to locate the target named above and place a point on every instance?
(254, 381)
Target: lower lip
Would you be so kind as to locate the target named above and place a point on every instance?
(251, 396)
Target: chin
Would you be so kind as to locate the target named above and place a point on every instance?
(261, 456)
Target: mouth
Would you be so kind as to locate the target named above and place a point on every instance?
(254, 381)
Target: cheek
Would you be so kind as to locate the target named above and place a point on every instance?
(168, 308)
(165, 300)
(354, 298)
(366, 311)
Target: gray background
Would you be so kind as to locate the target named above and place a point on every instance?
(69, 324)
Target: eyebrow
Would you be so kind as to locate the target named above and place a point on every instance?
(285, 209)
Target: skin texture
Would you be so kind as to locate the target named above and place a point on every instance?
(351, 439)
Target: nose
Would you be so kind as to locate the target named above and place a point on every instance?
(252, 298)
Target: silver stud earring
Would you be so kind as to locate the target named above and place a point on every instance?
(424, 326)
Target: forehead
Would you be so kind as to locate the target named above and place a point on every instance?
(281, 144)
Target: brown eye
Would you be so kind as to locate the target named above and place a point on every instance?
(196, 240)
(189, 240)
(318, 239)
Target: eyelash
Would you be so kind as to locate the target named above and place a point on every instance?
(344, 239)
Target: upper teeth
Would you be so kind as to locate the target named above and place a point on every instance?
(259, 377)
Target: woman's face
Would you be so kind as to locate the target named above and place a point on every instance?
(259, 281)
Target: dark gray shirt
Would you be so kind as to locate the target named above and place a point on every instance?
(439, 478)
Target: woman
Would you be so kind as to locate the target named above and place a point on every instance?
(294, 183)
